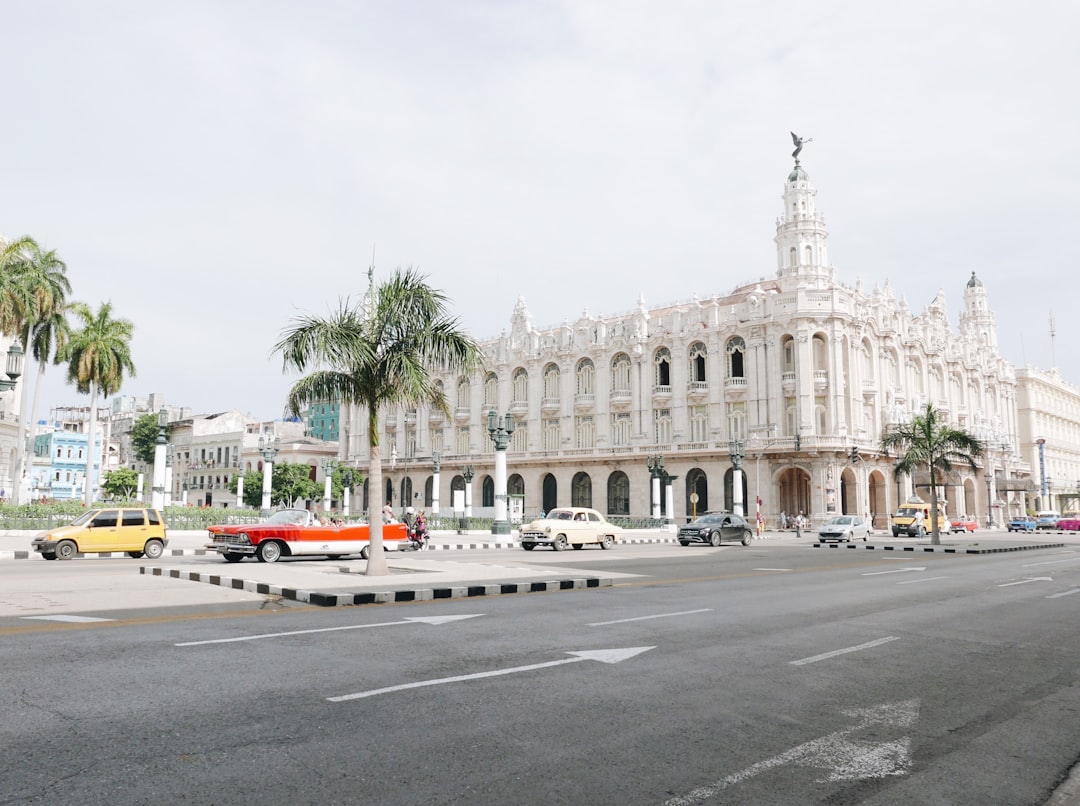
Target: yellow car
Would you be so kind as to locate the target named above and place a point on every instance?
(97, 531)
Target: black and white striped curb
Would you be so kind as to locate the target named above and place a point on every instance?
(379, 597)
(942, 549)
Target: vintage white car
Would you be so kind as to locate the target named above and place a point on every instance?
(574, 526)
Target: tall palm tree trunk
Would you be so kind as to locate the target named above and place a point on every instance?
(376, 564)
(20, 483)
(935, 519)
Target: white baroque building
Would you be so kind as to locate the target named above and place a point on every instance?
(797, 376)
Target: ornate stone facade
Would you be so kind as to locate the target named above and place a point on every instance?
(798, 373)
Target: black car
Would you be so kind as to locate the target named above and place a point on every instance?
(715, 527)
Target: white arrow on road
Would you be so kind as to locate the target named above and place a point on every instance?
(602, 655)
(1025, 581)
(892, 571)
(843, 758)
(410, 620)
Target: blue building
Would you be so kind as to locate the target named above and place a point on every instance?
(59, 466)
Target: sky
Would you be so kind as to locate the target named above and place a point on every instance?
(216, 168)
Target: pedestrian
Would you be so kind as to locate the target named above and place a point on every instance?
(783, 520)
(798, 524)
(760, 525)
(388, 513)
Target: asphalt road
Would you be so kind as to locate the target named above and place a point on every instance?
(761, 675)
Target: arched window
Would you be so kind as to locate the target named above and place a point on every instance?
(662, 426)
(736, 351)
(699, 423)
(697, 354)
(521, 385)
(620, 373)
(551, 434)
(585, 373)
(581, 490)
(487, 492)
(463, 401)
(584, 431)
(809, 252)
(618, 494)
(787, 347)
(793, 258)
(620, 429)
(551, 383)
(662, 364)
(491, 391)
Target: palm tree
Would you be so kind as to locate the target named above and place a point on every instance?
(378, 354)
(930, 442)
(97, 355)
(43, 287)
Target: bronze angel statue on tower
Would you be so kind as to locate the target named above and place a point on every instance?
(799, 143)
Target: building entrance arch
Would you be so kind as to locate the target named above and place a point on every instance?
(697, 482)
(879, 504)
(794, 483)
(550, 492)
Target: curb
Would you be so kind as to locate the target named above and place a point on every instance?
(941, 549)
(378, 597)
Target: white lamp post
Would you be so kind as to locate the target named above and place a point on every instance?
(157, 498)
(269, 450)
(500, 434)
(328, 469)
(435, 468)
(736, 449)
(656, 471)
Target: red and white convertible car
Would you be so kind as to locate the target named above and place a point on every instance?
(296, 532)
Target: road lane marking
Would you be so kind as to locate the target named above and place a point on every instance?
(1052, 562)
(1063, 593)
(602, 655)
(1026, 581)
(835, 652)
(421, 619)
(69, 619)
(772, 569)
(843, 758)
(646, 618)
(893, 571)
(914, 581)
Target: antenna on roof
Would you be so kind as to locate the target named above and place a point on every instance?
(1053, 333)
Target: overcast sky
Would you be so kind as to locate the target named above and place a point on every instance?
(217, 168)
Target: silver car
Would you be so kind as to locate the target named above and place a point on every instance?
(844, 529)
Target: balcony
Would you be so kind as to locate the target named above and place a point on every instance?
(550, 405)
(697, 390)
(620, 400)
(736, 386)
(787, 383)
(519, 408)
(661, 392)
(821, 380)
(584, 402)
(462, 414)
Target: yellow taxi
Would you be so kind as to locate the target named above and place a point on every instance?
(132, 530)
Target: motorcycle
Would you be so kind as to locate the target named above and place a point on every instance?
(416, 539)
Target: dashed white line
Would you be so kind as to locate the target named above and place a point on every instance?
(835, 652)
(1063, 593)
(646, 618)
(70, 619)
(924, 579)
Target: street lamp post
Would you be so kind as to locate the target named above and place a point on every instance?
(500, 433)
(346, 491)
(240, 489)
(168, 475)
(736, 449)
(328, 471)
(269, 451)
(655, 463)
(20, 482)
(435, 470)
(467, 473)
(157, 499)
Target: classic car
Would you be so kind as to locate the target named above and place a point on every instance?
(844, 529)
(297, 532)
(1070, 522)
(573, 526)
(132, 530)
(716, 527)
(963, 523)
(1021, 523)
(1047, 519)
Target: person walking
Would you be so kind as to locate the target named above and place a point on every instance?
(798, 524)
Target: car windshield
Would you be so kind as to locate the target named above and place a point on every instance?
(706, 520)
(560, 515)
(844, 520)
(86, 517)
(907, 512)
(289, 516)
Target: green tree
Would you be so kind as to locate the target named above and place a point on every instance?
(120, 484)
(376, 355)
(34, 306)
(98, 355)
(144, 434)
(288, 483)
(253, 480)
(929, 442)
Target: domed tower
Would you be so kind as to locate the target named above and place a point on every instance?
(800, 233)
(977, 320)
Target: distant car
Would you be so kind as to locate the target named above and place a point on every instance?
(297, 532)
(1047, 519)
(1022, 523)
(844, 529)
(963, 523)
(1069, 524)
(713, 528)
(132, 530)
(570, 526)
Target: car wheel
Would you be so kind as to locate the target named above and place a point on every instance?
(577, 546)
(154, 548)
(714, 539)
(65, 550)
(528, 546)
(135, 554)
(233, 558)
(49, 555)
(560, 543)
(684, 542)
(607, 542)
(365, 553)
(269, 551)
(747, 537)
